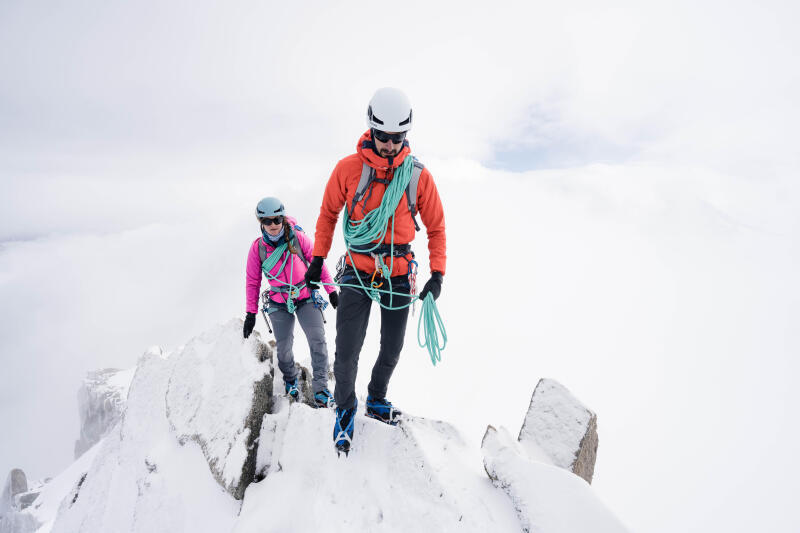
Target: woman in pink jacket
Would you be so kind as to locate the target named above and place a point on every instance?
(280, 254)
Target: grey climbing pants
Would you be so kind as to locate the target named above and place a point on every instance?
(310, 319)
(352, 317)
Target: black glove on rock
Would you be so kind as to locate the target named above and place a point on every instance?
(314, 272)
(334, 298)
(434, 286)
(249, 324)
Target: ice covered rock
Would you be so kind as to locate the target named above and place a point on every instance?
(101, 400)
(563, 428)
(546, 498)
(218, 392)
(12, 520)
(16, 483)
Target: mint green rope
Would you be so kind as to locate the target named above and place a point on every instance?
(270, 262)
(430, 319)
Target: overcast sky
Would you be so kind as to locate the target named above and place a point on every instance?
(132, 133)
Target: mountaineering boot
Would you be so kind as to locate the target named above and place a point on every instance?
(381, 409)
(292, 390)
(324, 398)
(343, 430)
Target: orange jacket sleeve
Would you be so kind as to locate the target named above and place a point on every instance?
(332, 202)
(430, 210)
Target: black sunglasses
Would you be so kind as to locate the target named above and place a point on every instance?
(267, 221)
(382, 136)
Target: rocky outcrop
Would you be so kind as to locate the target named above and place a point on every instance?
(16, 483)
(545, 497)
(562, 427)
(559, 433)
(15, 499)
(217, 395)
(101, 401)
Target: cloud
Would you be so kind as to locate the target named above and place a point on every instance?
(654, 241)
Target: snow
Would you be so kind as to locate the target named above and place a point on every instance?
(142, 479)
(418, 476)
(547, 498)
(122, 381)
(182, 440)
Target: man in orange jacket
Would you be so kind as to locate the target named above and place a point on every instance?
(358, 183)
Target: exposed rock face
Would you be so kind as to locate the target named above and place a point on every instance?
(562, 427)
(304, 377)
(101, 401)
(217, 396)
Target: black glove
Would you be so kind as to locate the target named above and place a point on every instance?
(314, 272)
(434, 286)
(334, 298)
(249, 324)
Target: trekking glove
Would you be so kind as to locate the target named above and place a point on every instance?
(334, 299)
(314, 272)
(434, 286)
(249, 324)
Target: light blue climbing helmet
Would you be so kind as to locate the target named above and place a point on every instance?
(269, 207)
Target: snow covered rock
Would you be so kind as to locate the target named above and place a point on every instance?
(139, 479)
(418, 476)
(547, 498)
(12, 520)
(16, 483)
(563, 428)
(101, 400)
(201, 424)
(219, 390)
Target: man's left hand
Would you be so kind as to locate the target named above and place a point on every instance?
(434, 286)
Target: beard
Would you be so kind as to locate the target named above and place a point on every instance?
(389, 153)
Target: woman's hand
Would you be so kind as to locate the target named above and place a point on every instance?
(249, 324)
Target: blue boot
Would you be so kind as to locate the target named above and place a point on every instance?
(343, 429)
(381, 409)
(324, 398)
(291, 389)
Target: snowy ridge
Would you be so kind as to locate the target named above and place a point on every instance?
(201, 429)
(418, 476)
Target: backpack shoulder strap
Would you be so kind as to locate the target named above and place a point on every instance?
(262, 251)
(411, 190)
(367, 175)
(296, 240)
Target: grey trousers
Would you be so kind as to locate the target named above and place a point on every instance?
(310, 319)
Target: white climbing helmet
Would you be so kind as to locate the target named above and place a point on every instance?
(389, 110)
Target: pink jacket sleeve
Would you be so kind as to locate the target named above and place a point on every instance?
(308, 246)
(253, 281)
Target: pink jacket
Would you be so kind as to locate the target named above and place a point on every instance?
(294, 266)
